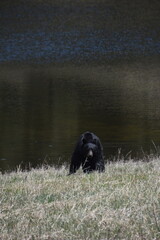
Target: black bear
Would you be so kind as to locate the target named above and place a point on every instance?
(88, 153)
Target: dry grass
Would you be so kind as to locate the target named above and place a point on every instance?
(122, 203)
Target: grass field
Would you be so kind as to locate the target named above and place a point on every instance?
(122, 203)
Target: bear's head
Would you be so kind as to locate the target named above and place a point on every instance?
(89, 146)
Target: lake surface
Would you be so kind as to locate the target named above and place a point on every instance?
(71, 66)
(43, 110)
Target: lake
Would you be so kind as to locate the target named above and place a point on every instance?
(44, 109)
(67, 67)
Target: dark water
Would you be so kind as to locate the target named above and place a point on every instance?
(82, 31)
(71, 66)
(43, 110)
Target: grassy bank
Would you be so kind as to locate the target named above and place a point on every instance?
(122, 203)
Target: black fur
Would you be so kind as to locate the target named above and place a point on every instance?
(88, 153)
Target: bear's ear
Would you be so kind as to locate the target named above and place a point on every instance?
(84, 141)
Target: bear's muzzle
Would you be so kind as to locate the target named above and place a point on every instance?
(90, 154)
